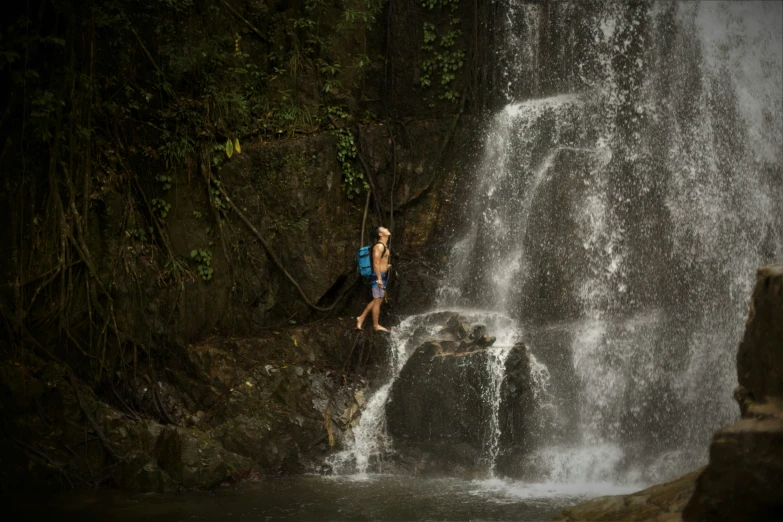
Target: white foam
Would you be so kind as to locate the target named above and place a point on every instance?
(513, 491)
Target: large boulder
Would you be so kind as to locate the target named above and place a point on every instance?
(438, 397)
(439, 405)
(744, 479)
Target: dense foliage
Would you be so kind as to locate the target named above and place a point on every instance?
(112, 103)
(113, 106)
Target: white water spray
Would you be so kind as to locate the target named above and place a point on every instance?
(621, 227)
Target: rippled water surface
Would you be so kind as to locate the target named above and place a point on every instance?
(316, 498)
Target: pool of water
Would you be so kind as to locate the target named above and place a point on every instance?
(314, 498)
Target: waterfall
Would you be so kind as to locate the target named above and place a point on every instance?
(620, 220)
(622, 201)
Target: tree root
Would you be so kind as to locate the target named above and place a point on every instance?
(364, 217)
(247, 23)
(328, 410)
(49, 460)
(274, 257)
(91, 420)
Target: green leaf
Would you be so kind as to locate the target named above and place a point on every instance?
(229, 148)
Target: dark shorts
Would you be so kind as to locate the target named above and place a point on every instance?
(377, 292)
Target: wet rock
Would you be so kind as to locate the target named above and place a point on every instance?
(139, 472)
(232, 405)
(248, 437)
(350, 415)
(358, 396)
(516, 415)
(457, 326)
(214, 364)
(477, 332)
(127, 436)
(485, 341)
(438, 398)
(462, 460)
(661, 503)
(380, 346)
(462, 330)
(194, 460)
(196, 420)
(743, 478)
(760, 355)
(325, 469)
(439, 406)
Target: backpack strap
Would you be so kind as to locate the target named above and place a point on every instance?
(384, 247)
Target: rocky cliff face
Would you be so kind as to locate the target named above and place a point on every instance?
(443, 409)
(236, 408)
(125, 254)
(760, 355)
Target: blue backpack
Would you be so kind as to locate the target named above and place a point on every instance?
(364, 259)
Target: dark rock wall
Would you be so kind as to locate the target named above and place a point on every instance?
(287, 180)
(235, 408)
(744, 476)
(760, 355)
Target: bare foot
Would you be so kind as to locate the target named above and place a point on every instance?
(380, 329)
(358, 323)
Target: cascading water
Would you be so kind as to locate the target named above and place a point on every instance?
(369, 437)
(496, 366)
(617, 217)
(621, 222)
